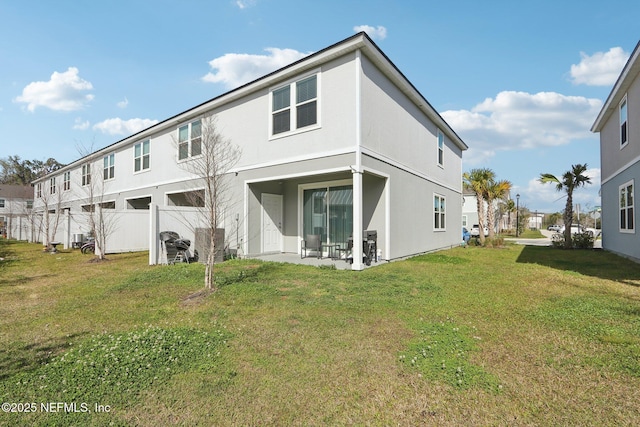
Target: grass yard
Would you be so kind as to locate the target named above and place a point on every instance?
(470, 336)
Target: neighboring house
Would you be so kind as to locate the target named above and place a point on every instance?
(334, 144)
(619, 126)
(470, 213)
(470, 209)
(16, 203)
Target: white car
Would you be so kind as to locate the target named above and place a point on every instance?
(554, 227)
(475, 231)
(575, 229)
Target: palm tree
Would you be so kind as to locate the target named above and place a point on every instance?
(509, 208)
(495, 190)
(571, 180)
(477, 181)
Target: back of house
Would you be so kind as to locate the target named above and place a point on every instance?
(333, 145)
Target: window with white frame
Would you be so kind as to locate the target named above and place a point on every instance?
(439, 212)
(29, 204)
(627, 223)
(624, 132)
(190, 140)
(303, 96)
(440, 148)
(109, 168)
(39, 190)
(86, 174)
(141, 156)
(1, 203)
(66, 181)
(464, 220)
(52, 185)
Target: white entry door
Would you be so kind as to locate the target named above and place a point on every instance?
(271, 222)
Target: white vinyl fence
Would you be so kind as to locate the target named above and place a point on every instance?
(129, 230)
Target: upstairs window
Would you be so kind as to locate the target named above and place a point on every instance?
(627, 223)
(440, 153)
(303, 96)
(190, 140)
(306, 102)
(141, 156)
(281, 110)
(39, 190)
(29, 204)
(109, 168)
(1, 203)
(86, 174)
(624, 132)
(439, 212)
(52, 185)
(66, 181)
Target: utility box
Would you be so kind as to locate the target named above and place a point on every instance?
(202, 244)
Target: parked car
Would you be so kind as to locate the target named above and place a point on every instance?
(475, 230)
(575, 229)
(554, 227)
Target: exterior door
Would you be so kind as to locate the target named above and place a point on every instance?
(271, 222)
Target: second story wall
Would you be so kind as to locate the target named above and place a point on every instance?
(615, 155)
(394, 126)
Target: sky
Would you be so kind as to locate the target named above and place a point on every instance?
(520, 82)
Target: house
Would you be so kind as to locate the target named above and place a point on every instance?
(335, 144)
(16, 203)
(619, 126)
(503, 220)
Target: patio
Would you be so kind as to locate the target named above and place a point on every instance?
(292, 258)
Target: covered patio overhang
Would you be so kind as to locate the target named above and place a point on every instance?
(281, 211)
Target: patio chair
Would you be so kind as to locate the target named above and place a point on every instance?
(312, 242)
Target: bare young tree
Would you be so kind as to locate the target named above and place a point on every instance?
(210, 158)
(51, 198)
(100, 219)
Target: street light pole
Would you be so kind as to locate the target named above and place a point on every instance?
(517, 213)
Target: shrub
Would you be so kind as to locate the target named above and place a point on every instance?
(557, 240)
(583, 240)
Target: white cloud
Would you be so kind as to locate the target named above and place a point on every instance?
(243, 4)
(376, 33)
(123, 104)
(63, 92)
(520, 120)
(80, 124)
(236, 69)
(599, 69)
(118, 126)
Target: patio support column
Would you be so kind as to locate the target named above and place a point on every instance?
(357, 173)
(357, 219)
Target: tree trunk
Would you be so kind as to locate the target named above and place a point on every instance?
(568, 219)
(209, 277)
(480, 202)
(490, 219)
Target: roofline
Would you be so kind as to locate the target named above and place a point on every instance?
(629, 71)
(351, 44)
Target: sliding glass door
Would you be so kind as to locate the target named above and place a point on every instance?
(328, 212)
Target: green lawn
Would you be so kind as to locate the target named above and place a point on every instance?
(470, 336)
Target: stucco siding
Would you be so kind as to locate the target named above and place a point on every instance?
(614, 158)
(627, 244)
(393, 126)
(411, 212)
